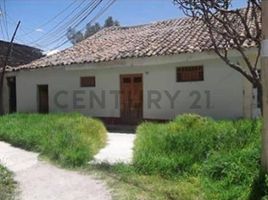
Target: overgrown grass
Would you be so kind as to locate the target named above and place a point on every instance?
(127, 184)
(69, 139)
(189, 158)
(223, 157)
(7, 185)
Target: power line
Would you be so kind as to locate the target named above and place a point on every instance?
(1, 29)
(28, 40)
(3, 24)
(17, 50)
(87, 14)
(56, 28)
(54, 17)
(78, 18)
(5, 18)
(75, 21)
(60, 29)
(93, 20)
(77, 24)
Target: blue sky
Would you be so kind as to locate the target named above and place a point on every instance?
(35, 13)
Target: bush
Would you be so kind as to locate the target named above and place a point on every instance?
(69, 139)
(224, 155)
(7, 184)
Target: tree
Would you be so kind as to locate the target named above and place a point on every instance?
(75, 37)
(110, 22)
(91, 29)
(237, 28)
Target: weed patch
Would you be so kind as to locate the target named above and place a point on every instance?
(69, 139)
(7, 185)
(224, 156)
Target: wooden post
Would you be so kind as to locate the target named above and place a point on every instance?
(264, 75)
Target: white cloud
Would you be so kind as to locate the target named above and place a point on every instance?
(49, 53)
(39, 30)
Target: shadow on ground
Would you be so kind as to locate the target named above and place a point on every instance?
(259, 188)
(121, 128)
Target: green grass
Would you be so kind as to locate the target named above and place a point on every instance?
(189, 158)
(7, 185)
(223, 157)
(127, 184)
(70, 140)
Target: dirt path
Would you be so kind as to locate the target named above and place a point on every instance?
(39, 180)
(119, 149)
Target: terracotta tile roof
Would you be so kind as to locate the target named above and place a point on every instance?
(168, 37)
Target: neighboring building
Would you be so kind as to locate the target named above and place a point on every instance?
(20, 54)
(126, 74)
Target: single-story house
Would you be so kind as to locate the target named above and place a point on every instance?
(126, 74)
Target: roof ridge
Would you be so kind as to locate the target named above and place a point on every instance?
(151, 23)
(165, 37)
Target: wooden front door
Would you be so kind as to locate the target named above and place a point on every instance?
(43, 99)
(131, 98)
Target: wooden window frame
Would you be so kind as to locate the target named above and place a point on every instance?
(197, 74)
(88, 81)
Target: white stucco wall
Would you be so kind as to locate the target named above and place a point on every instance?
(220, 94)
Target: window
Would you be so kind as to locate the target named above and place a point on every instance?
(126, 80)
(195, 73)
(87, 81)
(137, 79)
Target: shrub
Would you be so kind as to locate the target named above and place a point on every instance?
(69, 139)
(224, 155)
(231, 175)
(174, 147)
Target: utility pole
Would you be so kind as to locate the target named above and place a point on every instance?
(264, 77)
(3, 69)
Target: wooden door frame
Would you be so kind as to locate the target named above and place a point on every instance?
(12, 91)
(38, 97)
(142, 87)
